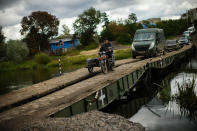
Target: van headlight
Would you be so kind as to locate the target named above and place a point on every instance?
(132, 47)
(151, 45)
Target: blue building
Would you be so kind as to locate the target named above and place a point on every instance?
(57, 46)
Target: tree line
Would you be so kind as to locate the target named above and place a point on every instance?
(40, 26)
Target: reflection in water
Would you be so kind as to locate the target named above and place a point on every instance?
(168, 110)
(163, 105)
(20, 79)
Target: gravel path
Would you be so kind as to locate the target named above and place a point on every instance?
(90, 121)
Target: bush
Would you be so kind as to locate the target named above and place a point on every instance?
(16, 50)
(42, 58)
(2, 51)
(72, 52)
(124, 38)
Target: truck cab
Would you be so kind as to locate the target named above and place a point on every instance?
(148, 42)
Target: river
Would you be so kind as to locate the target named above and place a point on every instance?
(158, 105)
(10, 81)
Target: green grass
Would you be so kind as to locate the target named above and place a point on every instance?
(88, 47)
(122, 54)
(12, 66)
(68, 62)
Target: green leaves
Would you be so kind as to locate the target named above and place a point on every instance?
(38, 28)
(86, 23)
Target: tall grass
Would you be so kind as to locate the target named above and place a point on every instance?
(187, 98)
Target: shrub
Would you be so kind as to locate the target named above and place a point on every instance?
(124, 38)
(16, 50)
(42, 58)
(2, 51)
(72, 52)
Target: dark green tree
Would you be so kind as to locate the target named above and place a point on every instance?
(132, 19)
(2, 37)
(86, 24)
(174, 27)
(131, 25)
(2, 45)
(38, 28)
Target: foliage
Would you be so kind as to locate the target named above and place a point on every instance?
(86, 23)
(172, 27)
(195, 23)
(132, 18)
(164, 94)
(16, 50)
(65, 30)
(68, 62)
(37, 29)
(72, 52)
(187, 98)
(124, 38)
(2, 51)
(113, 30)
(2, 37)
(42, 58)
(121, 31)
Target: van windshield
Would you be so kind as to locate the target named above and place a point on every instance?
(144, 36)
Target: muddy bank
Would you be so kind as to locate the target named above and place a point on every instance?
(94, 120)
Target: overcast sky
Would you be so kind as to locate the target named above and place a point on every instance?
(12, 11)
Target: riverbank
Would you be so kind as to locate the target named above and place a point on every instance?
(69, 63)
(94, 120)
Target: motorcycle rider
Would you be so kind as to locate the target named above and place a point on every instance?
(106, 47)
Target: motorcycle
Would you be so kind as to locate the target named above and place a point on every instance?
(103, 61)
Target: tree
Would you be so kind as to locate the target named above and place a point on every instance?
(131, 24)
(37, 29)
(114, 30)
(65, 30)
(173, 27)
(2, 37)
(86, 23)
(17, 50)
(2, 45)
(132, 19)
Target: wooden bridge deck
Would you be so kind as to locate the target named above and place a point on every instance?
(35, 91)
(56, 101)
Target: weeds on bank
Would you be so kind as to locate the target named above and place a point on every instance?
(186, 98)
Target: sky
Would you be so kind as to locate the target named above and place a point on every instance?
(12, 11)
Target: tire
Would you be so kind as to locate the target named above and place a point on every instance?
(155, 54)
(104, 67)
(112, 68)
(163, 52)
(134, 57)
(90, 69)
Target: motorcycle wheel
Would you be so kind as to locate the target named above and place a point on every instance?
(104, 68)
(112, 68)
(90, 69)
